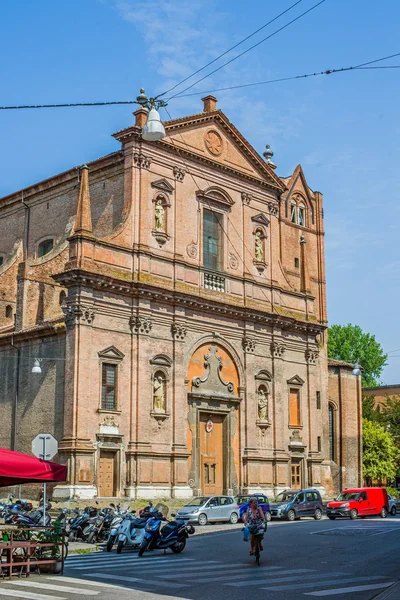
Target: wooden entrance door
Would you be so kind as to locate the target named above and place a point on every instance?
(296, 474)
(106, 474)
(211, 455)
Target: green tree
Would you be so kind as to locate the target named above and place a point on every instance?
(350, 343)
(389, 416)
(369, 411)
(380, 453)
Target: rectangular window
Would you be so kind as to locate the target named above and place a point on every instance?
(331, 423)
(109, 387)
(1, 260)
(318, 400)
(319, 444)
(294, 408)
(296, 263)
(212, 240)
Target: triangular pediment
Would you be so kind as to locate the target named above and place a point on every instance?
(261, 219)
(296, 380)
(212, 137)
(163, 185)
(111, 352)
(298, 189)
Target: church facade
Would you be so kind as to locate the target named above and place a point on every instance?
(174, 296)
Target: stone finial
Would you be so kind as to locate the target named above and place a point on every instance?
(140, 117)
(210, 103)
(83, 220)
(268, 154)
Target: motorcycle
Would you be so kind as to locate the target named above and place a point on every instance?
(79, 526)
(173, 535)
(16, 516)
(100, 528)
(114, 527)
(131, 531)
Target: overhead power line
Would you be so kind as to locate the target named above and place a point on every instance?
(251, 47)
(361, 67)
(69, 105)
(317, 74)
(229, 49)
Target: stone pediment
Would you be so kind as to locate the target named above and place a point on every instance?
(212, 383)
(111, 352)
(296, 380)
(261, 219)
(162, 185)
(211, 136)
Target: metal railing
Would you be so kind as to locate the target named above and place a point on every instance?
(214, 282)
(25, 548)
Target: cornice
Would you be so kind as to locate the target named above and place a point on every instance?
(172, 297)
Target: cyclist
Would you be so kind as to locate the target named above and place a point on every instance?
(254, 518)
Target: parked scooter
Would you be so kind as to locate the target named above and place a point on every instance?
(15, 515)
(78, 525)
(173, 535)
(114, 527)
(99, 530)
(132, 529)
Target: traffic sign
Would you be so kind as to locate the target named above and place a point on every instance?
(45, 446)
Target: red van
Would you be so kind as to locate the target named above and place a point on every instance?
(359, 502)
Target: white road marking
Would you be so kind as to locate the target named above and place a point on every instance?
(188, 570)
(139, 563)
(80, 581)
(55, 588)
(143, 582)
(297, 586)
(350, 590)
(119, 557)
(250, 575)
(306, 573)
(29, 595)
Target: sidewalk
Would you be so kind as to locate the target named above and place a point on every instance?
(76, 547)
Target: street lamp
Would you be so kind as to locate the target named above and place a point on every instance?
(153, 131)
(356, 369)
(36, 365)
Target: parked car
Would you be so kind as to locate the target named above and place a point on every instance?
(294, 504)
(204, 509)
(244, 502)
(392, 505)
(359, 502)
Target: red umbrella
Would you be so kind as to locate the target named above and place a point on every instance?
(17, 468)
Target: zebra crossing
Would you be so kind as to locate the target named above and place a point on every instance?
(158, 572)
(96, 574)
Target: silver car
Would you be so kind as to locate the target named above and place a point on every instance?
(392, 505)
(204, 509)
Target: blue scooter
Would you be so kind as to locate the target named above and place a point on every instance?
(173, 535)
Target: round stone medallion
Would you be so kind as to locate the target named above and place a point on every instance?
(213, 142)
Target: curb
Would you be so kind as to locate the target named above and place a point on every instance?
(391, 593)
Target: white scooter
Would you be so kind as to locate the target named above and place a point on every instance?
(132, 529)
(114, 528)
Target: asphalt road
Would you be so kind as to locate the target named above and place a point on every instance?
(342, 559)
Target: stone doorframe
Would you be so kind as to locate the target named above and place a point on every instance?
(228, 408)
(111, 443)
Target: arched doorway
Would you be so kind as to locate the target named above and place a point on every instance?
(213, 421)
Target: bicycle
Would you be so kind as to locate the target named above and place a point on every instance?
(259, 536)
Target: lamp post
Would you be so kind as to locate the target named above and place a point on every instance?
(153, 131)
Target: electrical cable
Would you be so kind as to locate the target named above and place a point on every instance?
(233, 87)
(72, 104)
(251, 48)
(229, 50)
(317, 74)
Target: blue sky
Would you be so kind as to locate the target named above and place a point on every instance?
(344, 129)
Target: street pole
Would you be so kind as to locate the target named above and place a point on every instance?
(45, 484)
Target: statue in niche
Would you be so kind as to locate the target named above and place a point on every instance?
(159, 392)
(258, 247)
(159, 212)
(262, 404)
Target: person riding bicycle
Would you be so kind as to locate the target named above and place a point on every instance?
(255, 520)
